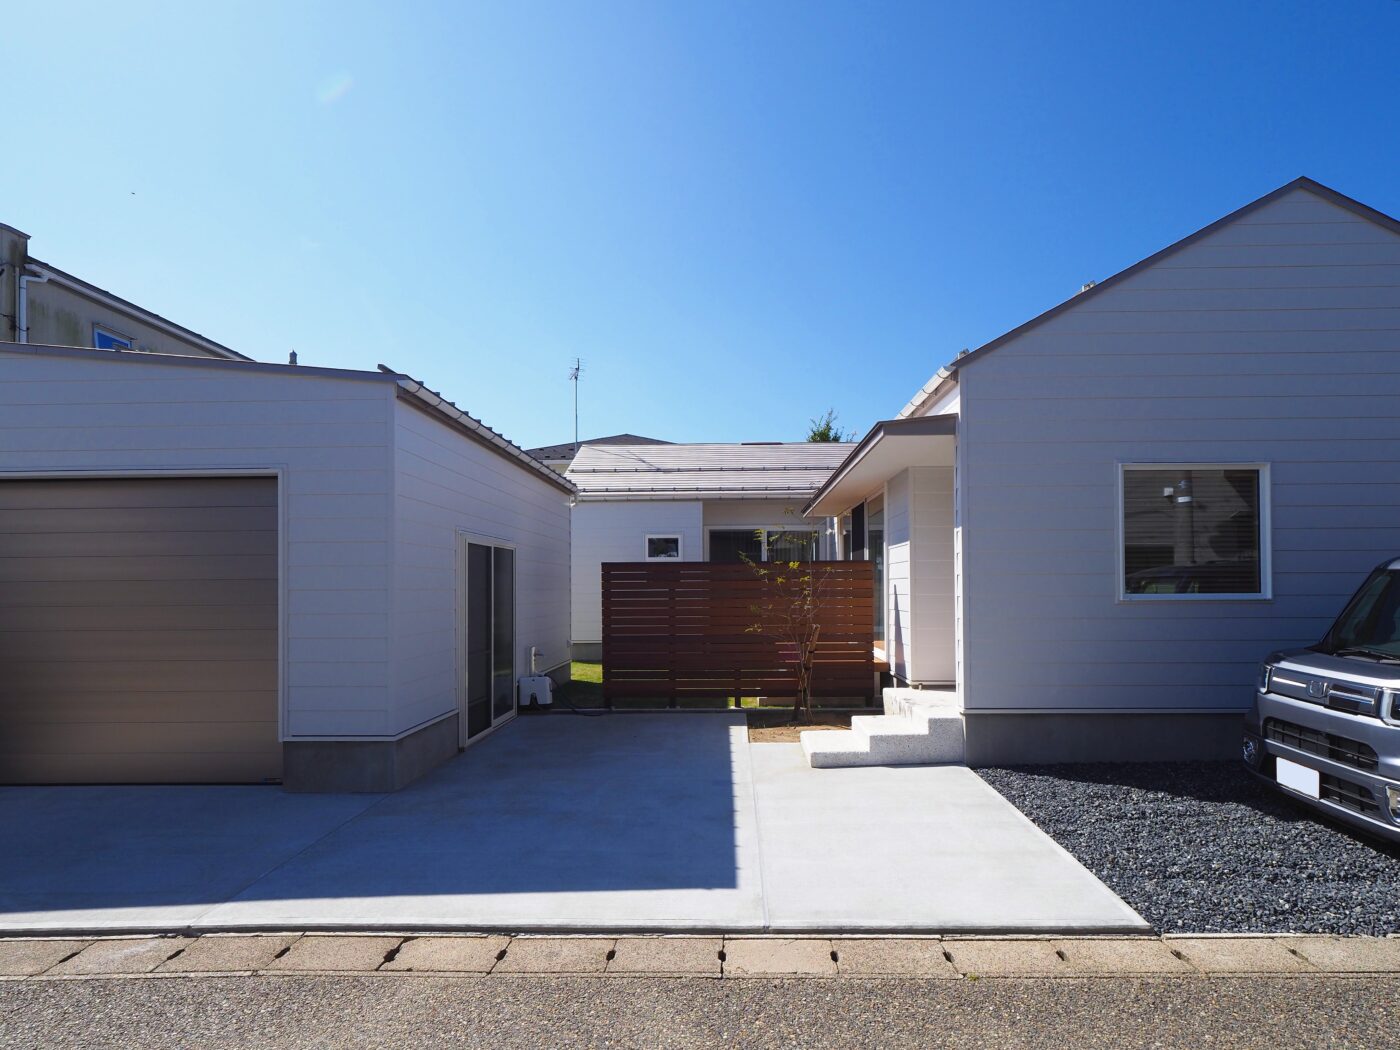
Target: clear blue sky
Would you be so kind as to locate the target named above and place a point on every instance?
(738, 215)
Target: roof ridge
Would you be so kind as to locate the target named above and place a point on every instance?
(1302, 182)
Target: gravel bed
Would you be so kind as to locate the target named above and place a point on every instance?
(1202, 847)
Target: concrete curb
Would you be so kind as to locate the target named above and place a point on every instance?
(730, 957)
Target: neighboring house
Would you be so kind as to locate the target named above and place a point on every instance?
(41, 304)
(558, 457)
(229, 571)
(703, 502)
(1096, 525)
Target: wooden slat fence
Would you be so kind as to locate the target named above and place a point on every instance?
(674, 630)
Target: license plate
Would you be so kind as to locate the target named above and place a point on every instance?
(1301, 779)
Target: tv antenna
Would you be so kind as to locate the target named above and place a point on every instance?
(574, 374)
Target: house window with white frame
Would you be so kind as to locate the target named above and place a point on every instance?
(663, 548)
(763, 544)
(1194, 531)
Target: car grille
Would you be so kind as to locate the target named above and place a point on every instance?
(1352, 796)
(1324, 745)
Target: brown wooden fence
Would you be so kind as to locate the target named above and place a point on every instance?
(674, 630)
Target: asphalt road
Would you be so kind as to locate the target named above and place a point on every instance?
(295, 1011)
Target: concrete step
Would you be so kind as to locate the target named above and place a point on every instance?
(924, 731)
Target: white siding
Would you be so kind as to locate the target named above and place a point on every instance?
(617, 532)
(899, 631)
(329, 437)
(447, 484)
(1275, 340)
(931, 575)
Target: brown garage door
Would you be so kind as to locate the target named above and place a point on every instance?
(138, 631)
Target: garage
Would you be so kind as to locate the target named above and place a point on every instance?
(139, 630)
(238, 572)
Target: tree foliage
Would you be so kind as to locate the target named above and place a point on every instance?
(824, 428)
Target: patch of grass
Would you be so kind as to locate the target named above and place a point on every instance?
(585, 685)
(591, 674)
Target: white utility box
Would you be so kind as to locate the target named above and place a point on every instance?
(536, 690)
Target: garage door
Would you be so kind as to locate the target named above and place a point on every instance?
(138, 631)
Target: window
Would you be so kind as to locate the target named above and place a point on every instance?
(760, 544)
(663, 548)
(105, 339)
(1194, 531)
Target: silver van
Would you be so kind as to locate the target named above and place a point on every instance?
(1325, 726)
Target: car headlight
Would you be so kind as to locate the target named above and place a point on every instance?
(1390, 706)
(1266, 675)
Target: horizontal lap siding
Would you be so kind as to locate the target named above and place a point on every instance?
(1274, 340)
(329, 437)
(446, 482)
(899, 625)
(932, 574)
(604, 532)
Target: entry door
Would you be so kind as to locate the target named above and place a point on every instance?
(488, 691)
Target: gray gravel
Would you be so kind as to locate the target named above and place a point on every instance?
(529, 1013)
(1202, 847)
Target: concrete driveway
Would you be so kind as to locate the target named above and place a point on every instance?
(615, 823)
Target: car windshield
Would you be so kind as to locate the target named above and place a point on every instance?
(1371, 622)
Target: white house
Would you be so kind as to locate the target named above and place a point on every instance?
(698, 502)
(1097, 524)
(218, 570)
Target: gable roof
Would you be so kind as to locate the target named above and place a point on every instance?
(751, 470)
(1326, 193)
(569, 449)
(150, 317)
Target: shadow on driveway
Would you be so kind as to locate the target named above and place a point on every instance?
(548, 805)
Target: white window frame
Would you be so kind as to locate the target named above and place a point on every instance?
(127, 342)
(1266, 559)
(765, 529)
(680, 545)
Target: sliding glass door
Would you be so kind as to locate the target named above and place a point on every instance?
(487, 689)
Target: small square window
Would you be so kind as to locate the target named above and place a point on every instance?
(663, 548)
(1194, 531)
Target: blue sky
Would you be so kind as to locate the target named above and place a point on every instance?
(738, 215)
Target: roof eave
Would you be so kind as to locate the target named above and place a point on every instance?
(919, 427)
(438, 406)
